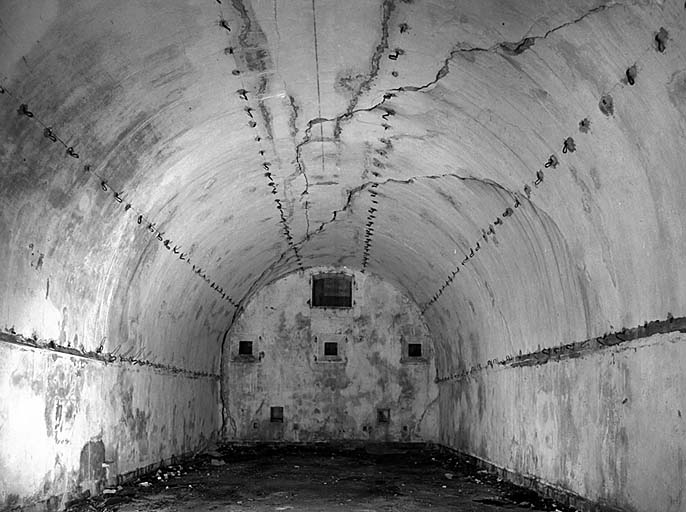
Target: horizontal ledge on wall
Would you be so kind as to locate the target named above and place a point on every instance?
(541, 487)
(100, 357)
(576, 349)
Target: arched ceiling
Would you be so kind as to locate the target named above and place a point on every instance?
(399, 137)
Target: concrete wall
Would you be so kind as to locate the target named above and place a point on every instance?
(329, 400)
(609, 426)
(62, 417)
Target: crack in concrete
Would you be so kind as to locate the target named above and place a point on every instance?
(307, 138)
(407, 181)
(426, 409)
(503, 47)
(509, 48)
(375, 64)
(246, 22)
(335, 216)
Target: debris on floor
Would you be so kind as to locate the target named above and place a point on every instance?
(317, 478)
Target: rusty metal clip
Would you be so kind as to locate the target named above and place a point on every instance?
(24, 110)
(47, 133)
(569, 145)
(552, 162)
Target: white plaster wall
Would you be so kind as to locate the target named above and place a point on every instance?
(55, 407)
(609, 426)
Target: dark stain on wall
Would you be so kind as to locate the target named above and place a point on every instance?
(62, 398)
(676, 89)
(91, 468)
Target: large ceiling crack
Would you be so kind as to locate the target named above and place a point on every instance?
(505, 47)
(407, 181)
(375, 64)
(336, 215)
(307, 138)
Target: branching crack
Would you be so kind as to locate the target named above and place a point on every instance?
(505, 47)
(381, 47)
(307, 138)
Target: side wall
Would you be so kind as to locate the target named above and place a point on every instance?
(326, 400)
(69, 425)
(609, 425)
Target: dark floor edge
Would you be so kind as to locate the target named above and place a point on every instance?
(545, 489)
(64, 501)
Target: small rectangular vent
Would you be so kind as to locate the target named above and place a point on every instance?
(245, 348)
(414, 350)
(383, 415)
(331, 348)
(276, 415)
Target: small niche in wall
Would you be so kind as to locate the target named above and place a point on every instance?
(276, 415)
(332, 291)
(245, 348)
(383, 415)
(413, 352)
(330, 349)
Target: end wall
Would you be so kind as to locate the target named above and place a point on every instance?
(329, 400)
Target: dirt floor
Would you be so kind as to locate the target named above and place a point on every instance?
(269, 478)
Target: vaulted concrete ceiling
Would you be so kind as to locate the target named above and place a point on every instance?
(218, 145)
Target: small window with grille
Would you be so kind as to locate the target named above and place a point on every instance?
(332, 291)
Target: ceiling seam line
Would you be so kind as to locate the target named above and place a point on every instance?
(243, 95)
(105, 186)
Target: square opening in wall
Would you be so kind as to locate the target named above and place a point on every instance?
(383, 415)
(332, 291)
(276, 415)
(245, 348)
(414, 350)
(331, 348)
